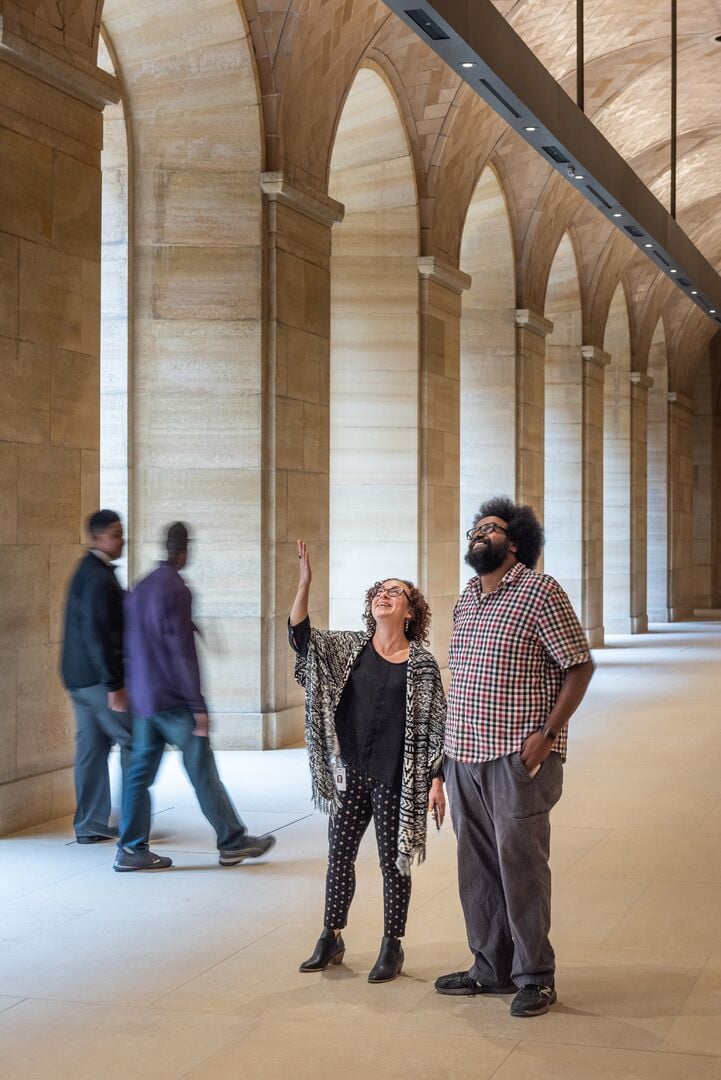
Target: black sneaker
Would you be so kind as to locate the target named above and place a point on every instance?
(533, 1000)
(140, 860)
(460, 982)
(251, 848)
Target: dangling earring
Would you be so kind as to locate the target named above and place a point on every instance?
(407, 625)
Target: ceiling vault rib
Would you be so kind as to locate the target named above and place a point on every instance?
(477, 42)
(674, 103)
(581, 57)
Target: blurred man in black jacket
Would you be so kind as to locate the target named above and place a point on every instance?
(92, 669)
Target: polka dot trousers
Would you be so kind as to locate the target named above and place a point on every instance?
(363, 799)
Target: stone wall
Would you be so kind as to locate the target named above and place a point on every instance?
(49, 422)
(195, 355)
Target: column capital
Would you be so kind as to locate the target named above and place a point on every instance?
(683, 402)
(640, 378)
(443, 273)
(531, 320)
(593, 355)
(34, 55)
(314, 204)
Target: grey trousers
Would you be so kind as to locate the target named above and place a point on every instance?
(97, 728)
(501, 821)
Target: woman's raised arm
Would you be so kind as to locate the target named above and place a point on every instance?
(299, 611)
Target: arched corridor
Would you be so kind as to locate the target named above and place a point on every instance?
(328, 271)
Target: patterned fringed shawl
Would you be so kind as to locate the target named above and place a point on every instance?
(324, 673)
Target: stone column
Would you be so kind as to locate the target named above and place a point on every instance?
(296, 456)
(716, 512)
(50, 140)
(531, 333)
(441, 288)
(680, 506)
(595, 362)
(638, 528)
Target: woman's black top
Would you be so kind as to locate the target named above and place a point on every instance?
(371, 716)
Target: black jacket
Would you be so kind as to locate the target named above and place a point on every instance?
(93, 640)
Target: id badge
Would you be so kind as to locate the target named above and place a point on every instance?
(339, 776)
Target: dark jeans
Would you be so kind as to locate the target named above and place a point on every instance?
(150, 734)
(97, 728)
(363, 799)
(501, 821)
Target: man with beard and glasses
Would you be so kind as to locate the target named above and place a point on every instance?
(520, 666)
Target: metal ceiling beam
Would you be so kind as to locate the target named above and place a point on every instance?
(502, 70)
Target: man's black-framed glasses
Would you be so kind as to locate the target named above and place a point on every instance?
(485, 530)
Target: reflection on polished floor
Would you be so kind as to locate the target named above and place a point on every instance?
(193, 973)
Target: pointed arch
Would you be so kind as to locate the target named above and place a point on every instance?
(703, 486)
(115, 374)
(658, 525)
(617, 508)
(488, 351)
(563, 487)
(195, 404)
(374, 350)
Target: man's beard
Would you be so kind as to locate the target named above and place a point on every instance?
(485, 560)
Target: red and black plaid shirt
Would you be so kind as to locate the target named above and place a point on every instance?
(509, 651)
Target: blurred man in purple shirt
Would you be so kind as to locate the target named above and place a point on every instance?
(163, 680)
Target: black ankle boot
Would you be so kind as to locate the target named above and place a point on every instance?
(389, 963)
(329, 949)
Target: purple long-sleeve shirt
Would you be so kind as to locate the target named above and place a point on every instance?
(161, 661)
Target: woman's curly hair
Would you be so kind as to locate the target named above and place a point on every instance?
(417, 629)
(524, 528)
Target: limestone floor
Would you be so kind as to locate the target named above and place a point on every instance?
(193, 973)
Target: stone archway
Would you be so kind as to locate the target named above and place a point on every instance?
(488, 353)
(657, 532)
(195, 405)
(563, 494)
(374, 351)
(617, 470)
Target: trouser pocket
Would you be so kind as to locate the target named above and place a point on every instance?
(527, 795)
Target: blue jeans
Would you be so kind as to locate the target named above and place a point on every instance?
(150, 734)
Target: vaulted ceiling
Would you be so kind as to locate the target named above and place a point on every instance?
(308, 51)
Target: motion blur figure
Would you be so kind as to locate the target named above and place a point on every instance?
(92, 670)
(168, 706)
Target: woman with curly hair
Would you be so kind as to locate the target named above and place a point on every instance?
(375, 716)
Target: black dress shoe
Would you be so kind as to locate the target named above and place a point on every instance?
(389, 963)
(94, 839)
(329, 949)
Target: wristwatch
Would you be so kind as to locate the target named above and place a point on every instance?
(550, 734)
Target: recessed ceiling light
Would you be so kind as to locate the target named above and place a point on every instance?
(579, 176)
(469, 64)
(674, 271)
(648, 245)
(618, 214)
(694, 292)
(530, 129)
(712, 311)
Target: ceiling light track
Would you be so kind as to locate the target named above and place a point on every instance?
(475, 40)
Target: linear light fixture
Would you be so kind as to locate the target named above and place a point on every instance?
(516, 85)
